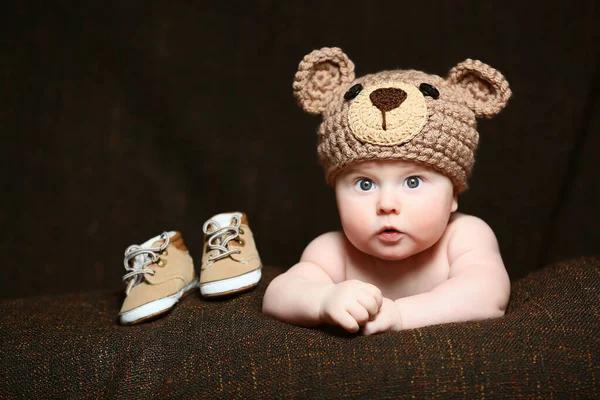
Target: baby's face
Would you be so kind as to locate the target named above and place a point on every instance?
(393, 209)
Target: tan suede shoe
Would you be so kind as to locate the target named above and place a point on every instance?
(230, 262)
(160, 272)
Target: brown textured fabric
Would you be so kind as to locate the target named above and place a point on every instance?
(70, 346)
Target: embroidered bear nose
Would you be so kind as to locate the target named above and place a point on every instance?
(387, 99)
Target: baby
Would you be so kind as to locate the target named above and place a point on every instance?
(398, 147)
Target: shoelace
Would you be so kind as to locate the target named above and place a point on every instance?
(137, 259)
(221, 236)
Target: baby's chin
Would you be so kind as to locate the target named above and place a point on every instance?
(391, 255)
(388, 253)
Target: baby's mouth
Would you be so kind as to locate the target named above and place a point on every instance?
(389, 234)
(388, 229)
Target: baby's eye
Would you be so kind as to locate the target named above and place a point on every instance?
(413, 182)
(365, 184)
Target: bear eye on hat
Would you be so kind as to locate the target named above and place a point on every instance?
(353, 91)
(429, 90)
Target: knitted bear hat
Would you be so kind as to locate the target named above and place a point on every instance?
(398, 115)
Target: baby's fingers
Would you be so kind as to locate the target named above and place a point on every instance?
(374, 291)
(371, 328)
(370, 304)
(346, 321)
(359, 313)
(379, 324)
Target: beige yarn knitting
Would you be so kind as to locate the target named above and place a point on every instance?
(394, 116)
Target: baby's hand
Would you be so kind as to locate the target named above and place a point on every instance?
(388, 319)
(350, 304)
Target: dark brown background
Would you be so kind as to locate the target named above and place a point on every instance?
(121, 120)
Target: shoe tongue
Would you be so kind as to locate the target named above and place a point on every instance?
(142, 258)
(150, 242)
(227, 219)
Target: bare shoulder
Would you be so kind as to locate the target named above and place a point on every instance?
(473, 254)
(469, 234)
(328, 251)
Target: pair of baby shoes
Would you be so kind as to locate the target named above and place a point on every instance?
(161, 271)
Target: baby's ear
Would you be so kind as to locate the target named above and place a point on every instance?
(319, 74)
(484, 89)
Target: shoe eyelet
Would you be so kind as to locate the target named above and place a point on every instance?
(241, 231)
(241, 242)
(161, 262)
(164, 253)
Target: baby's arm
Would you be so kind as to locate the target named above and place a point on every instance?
(308, 295)
(478, 286)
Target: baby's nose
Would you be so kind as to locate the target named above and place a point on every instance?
(388, 204)
(387, 99)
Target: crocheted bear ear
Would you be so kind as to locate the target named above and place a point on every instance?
(484, 89)
(319, 74)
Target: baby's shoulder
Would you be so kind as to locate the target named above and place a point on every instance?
(462, 224)
(329, 252)
(468, 233)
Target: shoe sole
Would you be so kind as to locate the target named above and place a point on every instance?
(229, 286)
(156, 307)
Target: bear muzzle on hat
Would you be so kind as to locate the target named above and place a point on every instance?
(399, 114)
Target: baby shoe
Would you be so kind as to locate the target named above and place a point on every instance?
(159, 272)
(230, 262)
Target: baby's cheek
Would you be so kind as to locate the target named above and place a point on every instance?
(354, 229)
(350, 221)
(431, 218)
